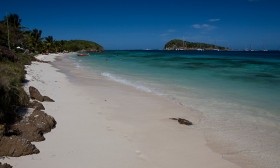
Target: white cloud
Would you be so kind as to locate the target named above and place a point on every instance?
(164, 34)
(203, 26)
(214, 20)
(171, 30)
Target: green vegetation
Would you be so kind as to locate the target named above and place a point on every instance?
(18, 44)
(18, 38)
(11, 79)
(177, 44)
(78, 45)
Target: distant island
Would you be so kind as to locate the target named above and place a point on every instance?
(177, 44)
(82, 45)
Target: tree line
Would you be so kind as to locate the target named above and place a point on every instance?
(15, 36)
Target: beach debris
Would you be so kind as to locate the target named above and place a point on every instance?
(5, 165)
(182, 121)
(36, 105)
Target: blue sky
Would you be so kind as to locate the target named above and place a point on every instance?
(149, 24)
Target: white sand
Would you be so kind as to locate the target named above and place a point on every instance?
(103, 124)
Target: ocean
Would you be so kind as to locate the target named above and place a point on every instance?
(237, 93)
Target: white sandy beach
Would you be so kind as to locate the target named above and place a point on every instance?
(103, 124)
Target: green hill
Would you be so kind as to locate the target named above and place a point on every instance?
(78, 45)
(177, 44)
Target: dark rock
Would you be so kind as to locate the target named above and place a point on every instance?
(182, 121)
(5, 165)
(47, 99)
(35, 94)
(16, 146)
(35, 125)
(42, 120)
(174, 119)
(12, 132)
(36, 105)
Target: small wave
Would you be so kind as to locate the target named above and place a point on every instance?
(77, 66)
(126, 82)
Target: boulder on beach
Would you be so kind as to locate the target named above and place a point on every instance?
(35, 94)
(36, 105)
(16, 146)
(5, 165)
(47, 99)
(182, 121)
(34, 126)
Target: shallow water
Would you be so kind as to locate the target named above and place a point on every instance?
(238, 93)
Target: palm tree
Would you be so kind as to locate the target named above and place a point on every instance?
(14, 33)
(49, 41)
(14, 21)
(36, 40)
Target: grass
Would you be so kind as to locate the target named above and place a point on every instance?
(12, 95)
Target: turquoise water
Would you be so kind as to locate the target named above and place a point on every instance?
(237, 93)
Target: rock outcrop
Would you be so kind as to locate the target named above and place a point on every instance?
(36, 105)
(47, 99)
(35, 94)
(5, 165)
(35, 126)
(16, 138)
(16, 146)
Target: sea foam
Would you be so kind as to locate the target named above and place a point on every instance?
(136, 85)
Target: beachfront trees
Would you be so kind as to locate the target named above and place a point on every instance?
(13, 35)
(10, 31)
(14, 21)
(49, 44)
(36, 40)
(13, 30)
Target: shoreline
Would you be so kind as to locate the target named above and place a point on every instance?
(101, 123)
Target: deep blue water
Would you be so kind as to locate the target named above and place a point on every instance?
(238, 93)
